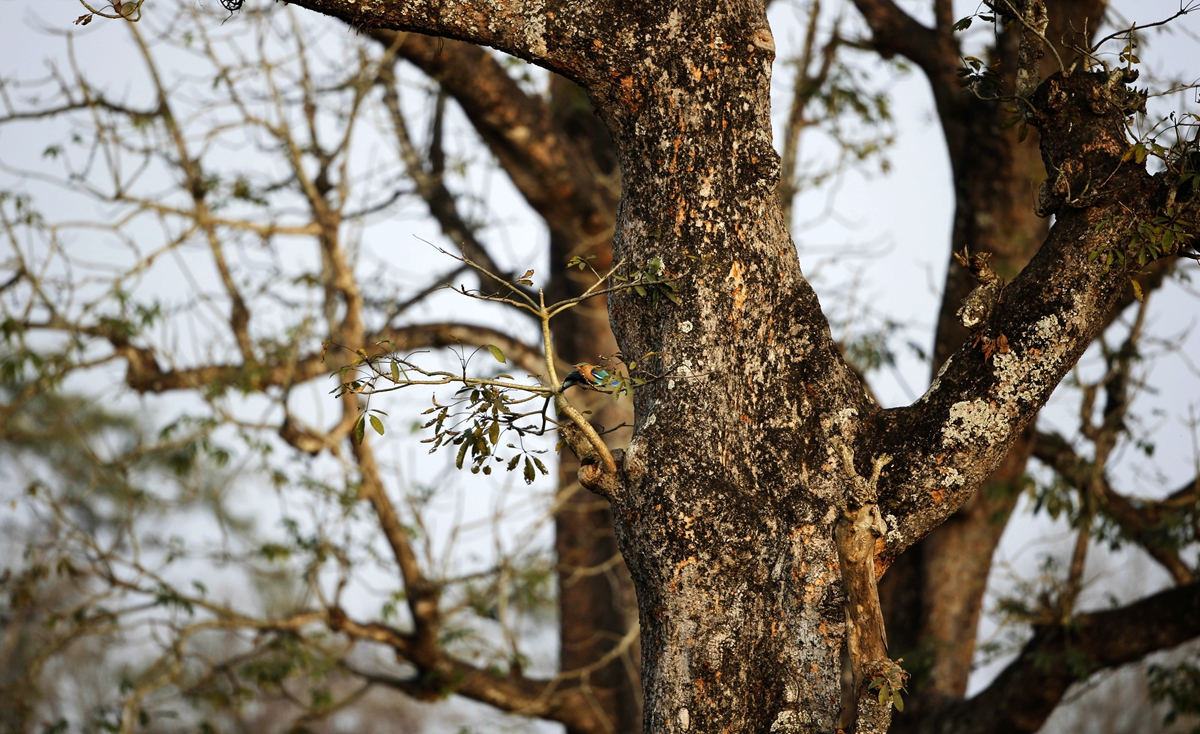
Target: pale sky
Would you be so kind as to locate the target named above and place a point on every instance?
(901, 220)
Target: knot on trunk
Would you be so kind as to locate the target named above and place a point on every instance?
(1082, 121)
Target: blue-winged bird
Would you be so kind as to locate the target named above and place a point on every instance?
(591, 377)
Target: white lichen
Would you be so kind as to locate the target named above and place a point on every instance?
(893, 536)
(535, 29)
(788, 721)
(973, 419)
(952, 478)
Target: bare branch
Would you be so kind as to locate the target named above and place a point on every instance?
(430, 185)
(1140, 519)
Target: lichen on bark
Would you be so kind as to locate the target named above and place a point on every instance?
(732, 506)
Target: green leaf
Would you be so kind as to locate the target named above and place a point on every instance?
(897, 701)
(961, 25)
(1137, 290)
(499, 355)
(360, 429)
(529, 475)
(377, 425)
(462, 454)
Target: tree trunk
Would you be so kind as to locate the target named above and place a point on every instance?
(728, 519)
(755, 501)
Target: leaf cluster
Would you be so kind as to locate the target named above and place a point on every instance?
(475, 422)
(890, 679)
(652, 281)
(1148, 240)
(976, 75)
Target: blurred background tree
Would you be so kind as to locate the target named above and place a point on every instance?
(194, 542)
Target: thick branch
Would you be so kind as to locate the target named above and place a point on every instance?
(894, 31)
(557, 699)
(144, 373)
(951, 439)
(1029, 689)
(558, 38)
(522, 133)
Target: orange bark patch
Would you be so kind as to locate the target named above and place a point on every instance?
(880, 565)
(739, 290)
(679, 567)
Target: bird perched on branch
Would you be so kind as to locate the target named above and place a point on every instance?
(590, 376)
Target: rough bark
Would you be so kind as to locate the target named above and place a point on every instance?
(727, 500)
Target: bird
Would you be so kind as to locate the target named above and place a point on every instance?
(590, 376)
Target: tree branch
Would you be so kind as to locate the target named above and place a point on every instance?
(556, 699)
(804, 87)
(144, 373)
(894, 31)
(1031, 687)
(1142, 521)
(431, 185)
(561, 41)
(522, 133)
(948, 442)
